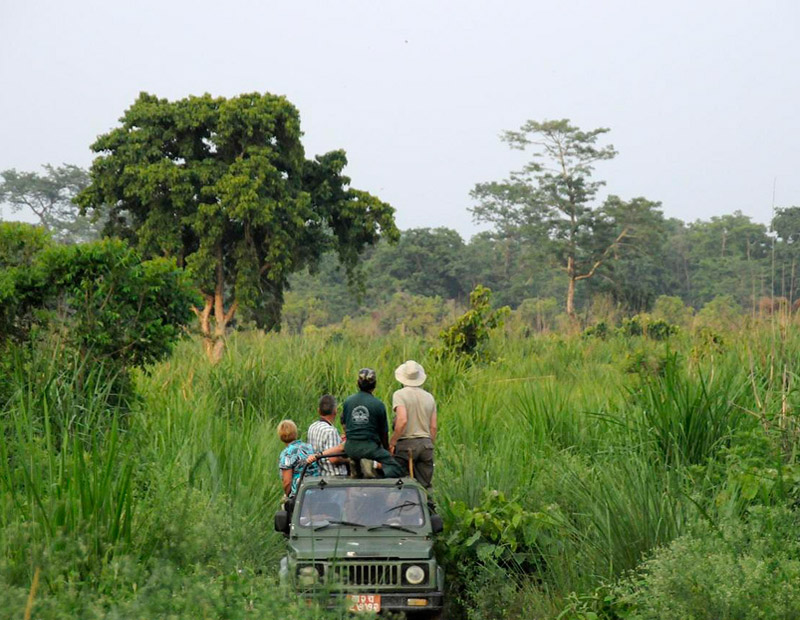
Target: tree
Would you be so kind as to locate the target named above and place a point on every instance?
(729, 255)
(425, 262)
(786, 225)
(635, 272)
(49, 196)
(223, 186)
(549, 200)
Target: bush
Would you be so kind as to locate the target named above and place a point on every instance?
(99, 300)
(599, 330)
(469, 335)
(745, 568)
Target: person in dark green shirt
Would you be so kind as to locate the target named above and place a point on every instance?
(366, 428)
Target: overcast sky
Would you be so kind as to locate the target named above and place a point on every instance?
(701, 97)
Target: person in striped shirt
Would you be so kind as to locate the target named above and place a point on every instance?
(322, 435)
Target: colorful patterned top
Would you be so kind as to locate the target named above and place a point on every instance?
(294, 457)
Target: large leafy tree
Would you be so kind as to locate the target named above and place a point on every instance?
(49, 197)
(224, 186)
(636, 271)
(550, 201)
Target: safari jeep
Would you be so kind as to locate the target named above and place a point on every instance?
(367, 541)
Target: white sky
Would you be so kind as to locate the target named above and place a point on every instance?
(701, 96)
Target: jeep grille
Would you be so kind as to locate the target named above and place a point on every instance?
(365, 574)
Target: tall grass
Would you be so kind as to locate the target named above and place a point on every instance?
(176, 487)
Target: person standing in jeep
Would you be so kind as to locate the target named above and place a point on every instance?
(366, 426)
(415, 423)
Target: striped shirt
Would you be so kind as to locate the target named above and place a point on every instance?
(322, 435)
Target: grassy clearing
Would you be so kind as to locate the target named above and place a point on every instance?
(609, 450)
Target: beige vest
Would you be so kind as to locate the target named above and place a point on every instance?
(419, 406)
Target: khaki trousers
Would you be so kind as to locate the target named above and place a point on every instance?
(420, 449)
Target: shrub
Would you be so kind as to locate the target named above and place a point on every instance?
(99, 299)
(469, 335)
(631, 326)
(661, 330)
(645, 325)
(744, 568)
(498, 530)
(598, 330)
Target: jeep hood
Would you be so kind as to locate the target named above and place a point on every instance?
(361, 547)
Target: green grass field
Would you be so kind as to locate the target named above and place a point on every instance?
(578, 478)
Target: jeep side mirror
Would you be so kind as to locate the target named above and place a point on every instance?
(437, 525)
(282, 522)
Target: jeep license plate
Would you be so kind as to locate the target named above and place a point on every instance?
(364, 602)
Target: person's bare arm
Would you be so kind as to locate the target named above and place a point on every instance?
(400, 424)
(434, 425)
(286, 480)
(329, 452)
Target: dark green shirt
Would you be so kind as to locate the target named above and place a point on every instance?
(364, 418)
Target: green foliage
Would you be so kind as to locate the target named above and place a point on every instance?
(299, 312)
(743, 568)
(224, 186)
(721, 313)
(469, 335)
(646, 363)
(645, 325)
(691, 416)
(499, 530)
(98, 299)
(671, 309)
(631, 326)
(413, 314)
(659, 329)
(537, 313)
(595, 469)
(548, 205)
(598, 330)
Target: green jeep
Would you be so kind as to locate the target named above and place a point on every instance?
(368, 541)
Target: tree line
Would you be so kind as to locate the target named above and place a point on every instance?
(222, 188)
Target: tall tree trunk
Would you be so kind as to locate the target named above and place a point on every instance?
(204, 318)
(214, 339)
(571, 287)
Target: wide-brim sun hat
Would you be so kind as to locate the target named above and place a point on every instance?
(410, 373)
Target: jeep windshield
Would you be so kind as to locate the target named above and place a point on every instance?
(361, 506)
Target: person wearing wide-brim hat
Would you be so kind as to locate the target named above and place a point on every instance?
(415, 423)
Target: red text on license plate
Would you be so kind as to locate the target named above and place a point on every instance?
(364, 602)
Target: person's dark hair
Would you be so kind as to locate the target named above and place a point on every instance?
(367, 379)
(327, 405)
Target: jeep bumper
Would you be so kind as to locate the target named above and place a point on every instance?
(399, 601)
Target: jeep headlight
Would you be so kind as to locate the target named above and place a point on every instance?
(415, 574)
(307, 575)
